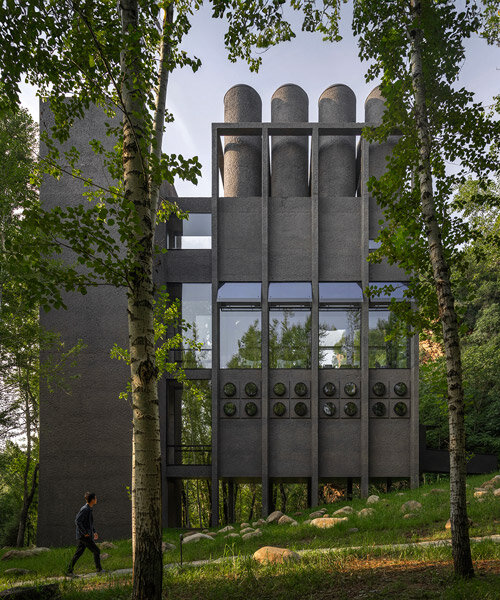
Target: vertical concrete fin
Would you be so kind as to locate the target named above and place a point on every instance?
(337, 154)
(289, 171)
(242, 154)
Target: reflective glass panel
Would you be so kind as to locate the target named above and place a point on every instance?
(348, 291)
(339, 338)
(289, 338)
(397, 294)
(390, 354)
(195, 233)
(196, 423)
(239, 292)
(294, 291)
(240, 338)
(196, 310)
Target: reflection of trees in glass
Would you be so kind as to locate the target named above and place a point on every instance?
(197, 325)
(289, 339)
(196, 421)
(388, 345)
(249, 349)
(343, 351)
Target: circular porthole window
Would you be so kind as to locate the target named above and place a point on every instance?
(378, 388)
(350, 409)
(401, 388)
(329, 409)
(329, 389)
(251, 389)
(279, 389)
(229, 389)
(400, 409)
(378, 409)
(279, 409)
(350, 388)
(229, 409)
(251, 409)
(300, 389)
(300, 409)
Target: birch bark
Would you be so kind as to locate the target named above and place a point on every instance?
(458, 509)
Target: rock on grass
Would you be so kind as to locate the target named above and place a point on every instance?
(271, 554)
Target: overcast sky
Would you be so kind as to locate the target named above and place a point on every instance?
(196, 100)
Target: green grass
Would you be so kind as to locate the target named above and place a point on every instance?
(386, 526)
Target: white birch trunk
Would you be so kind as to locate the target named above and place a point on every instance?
(458, 509)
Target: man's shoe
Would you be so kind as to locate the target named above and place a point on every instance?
(70, 574)
(101, 571)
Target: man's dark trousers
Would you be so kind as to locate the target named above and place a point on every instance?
(86, 542)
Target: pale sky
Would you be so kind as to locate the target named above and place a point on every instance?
(196, 100)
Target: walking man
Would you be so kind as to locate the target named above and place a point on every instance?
(86, 534)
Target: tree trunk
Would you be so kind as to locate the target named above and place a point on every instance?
(27, 500)
(146, 462)
(283, 497)
(458, 509)
(253, 487)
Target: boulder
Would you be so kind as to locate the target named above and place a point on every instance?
(246, 530)
(226, 529)
(274, 517)
(326, 523)
(251, 534)
(366, 512)
(12, 554)
(205, 531)
(353, 530)
(410, 505)
(106, 546)
(231, 535)
(166, 546)
(189, 533)
(373, 499)
(104, 556)
(244, 525)
(480, 493)
(271, 554)
(323, 510)
(286, 520)
(258, 523)
(212, 534)
(307, 522)
(39, 592)
(408, 516)
(347, 510)
(17, 571)
(487, 485)
(297, 514)
(196, 537)
(497, 492)
(316, 514)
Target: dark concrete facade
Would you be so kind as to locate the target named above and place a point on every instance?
(293, 208)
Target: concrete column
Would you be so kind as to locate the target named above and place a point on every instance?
(374, 110)
(289, 174)
(242, 154)
(337, 154)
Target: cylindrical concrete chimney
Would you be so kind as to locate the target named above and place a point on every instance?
(242, 154)
(337, 154)
(289, 171)
(374, 110)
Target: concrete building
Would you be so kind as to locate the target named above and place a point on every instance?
(299, 383)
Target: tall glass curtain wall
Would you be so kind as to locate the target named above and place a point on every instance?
(289, 334)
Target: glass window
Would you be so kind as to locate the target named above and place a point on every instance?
(196, 423)
(349, 291)
(290, 338)
(240, 338)
(239, 292)
(397, 293)
(193, 233)
(196, 311)
(339, 338)
(383, 353)
(295, 291)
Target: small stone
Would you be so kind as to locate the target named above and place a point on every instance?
(197, 537)
(480, 493)
(244, 525)
(166, 546)
(226, 529)
(204, 531)
(246, 530)
(274, 517)
(401, 494)
(212, 534)
(497, 492)
(271, 554)
(372, 499)
(347, 510)
(353, 530)
(17, 571)
(297, 514)
(12, 554)
(106, 546)
(366, 512)
(189, 534)
(104, 556)
(323, 510)
(326, 523)
(410, 505)
(426, 494)
(315, 515)
(307, 522)
(286, 520)
(408, 516)
(231, 535)
(251, 534)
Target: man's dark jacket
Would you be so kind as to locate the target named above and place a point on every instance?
(84, 522)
